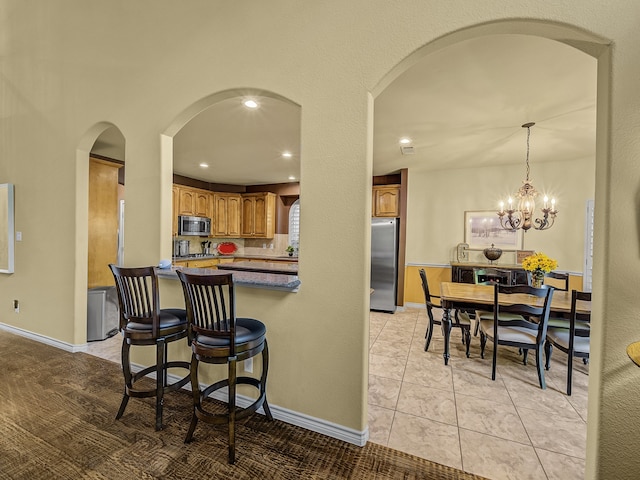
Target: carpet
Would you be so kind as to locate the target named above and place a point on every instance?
(57, 421)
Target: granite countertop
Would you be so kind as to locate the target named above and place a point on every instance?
(269, 281)
(264, 267)
(237, 255)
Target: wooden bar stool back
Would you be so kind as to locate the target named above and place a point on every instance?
(218, 337)
(142, 322)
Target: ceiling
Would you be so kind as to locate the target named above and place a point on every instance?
(462, 106)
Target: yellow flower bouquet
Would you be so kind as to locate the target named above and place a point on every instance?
(539, 264)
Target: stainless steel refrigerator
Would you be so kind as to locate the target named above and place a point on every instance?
(384, 264)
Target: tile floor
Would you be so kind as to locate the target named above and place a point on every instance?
(456, 415)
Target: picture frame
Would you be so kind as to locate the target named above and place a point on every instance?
(522, 254)
(482, 229)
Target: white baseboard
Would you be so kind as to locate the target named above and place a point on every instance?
(308, 422)
(67, 347)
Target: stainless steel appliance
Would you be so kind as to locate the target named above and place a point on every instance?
(102, 313)
(384, 264)
(194, 225)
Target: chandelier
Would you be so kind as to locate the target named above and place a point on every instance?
(519, 212)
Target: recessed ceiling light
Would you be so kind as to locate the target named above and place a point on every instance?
(250, 103)
(287, 154)
(405, 141)
(291, 177)
(204, 165)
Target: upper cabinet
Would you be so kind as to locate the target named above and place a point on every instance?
(258, 215)
(227, 215)
(385, 201)
(235, 215)
(194, 202)
(175, 209)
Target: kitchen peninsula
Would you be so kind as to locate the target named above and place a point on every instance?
(262, 267)
(252, 279)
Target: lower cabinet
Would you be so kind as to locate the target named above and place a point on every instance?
(208, 263)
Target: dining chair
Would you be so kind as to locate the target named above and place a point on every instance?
(143, 322)
(219, 337)
(522, 333)
(461, 319)
(559, 281)
(491, 276)
(573, 341)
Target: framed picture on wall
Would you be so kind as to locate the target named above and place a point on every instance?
(482, 228)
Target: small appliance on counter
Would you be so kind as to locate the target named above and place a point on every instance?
(181, 248)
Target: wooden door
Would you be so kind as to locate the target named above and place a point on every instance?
(234, 215)
(202, 202)
(186, 204)
(386, 201)
(248, 216)
(219, 226)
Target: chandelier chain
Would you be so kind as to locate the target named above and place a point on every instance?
(528, 135)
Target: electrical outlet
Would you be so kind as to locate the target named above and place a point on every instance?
(16, 306)
(248, 365)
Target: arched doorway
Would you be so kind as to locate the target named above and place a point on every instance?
(99, 203)
(433, 209)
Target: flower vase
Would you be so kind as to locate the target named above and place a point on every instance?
(537, 279)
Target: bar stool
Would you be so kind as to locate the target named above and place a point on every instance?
(217, 336)
(142, 322)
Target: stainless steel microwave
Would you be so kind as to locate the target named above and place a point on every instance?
(194, 225)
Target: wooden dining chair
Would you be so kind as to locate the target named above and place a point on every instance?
(434, 316)
(491, 276)
(573, 341)
(142, 322)
(218, 337)
(559, 281)
(521, 333)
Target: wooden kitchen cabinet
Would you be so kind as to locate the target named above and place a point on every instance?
(205, 263)
(227, 215)
(194, 202)
(175, 201)
(385, 201)
(258, 215)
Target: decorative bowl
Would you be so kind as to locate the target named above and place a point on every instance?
(492, 253)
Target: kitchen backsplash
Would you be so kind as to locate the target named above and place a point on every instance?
(248, 246)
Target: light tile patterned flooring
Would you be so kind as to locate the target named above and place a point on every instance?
(456, 415)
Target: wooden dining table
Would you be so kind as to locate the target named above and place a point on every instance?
(468, 296)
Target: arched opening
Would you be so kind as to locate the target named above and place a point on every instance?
(227, 152)
(99, 216)
(455, 180)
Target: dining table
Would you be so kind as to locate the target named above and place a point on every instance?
(470, 296)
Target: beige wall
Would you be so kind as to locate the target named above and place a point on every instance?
(138, 65)
(438, 199)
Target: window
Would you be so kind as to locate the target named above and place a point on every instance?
(294, 225)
